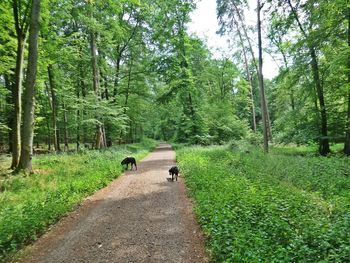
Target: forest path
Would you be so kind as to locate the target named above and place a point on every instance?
(139, 217)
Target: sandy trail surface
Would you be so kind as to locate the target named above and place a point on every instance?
(139, 217)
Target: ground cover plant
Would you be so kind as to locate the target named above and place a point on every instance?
(30, 204)
(270, 208)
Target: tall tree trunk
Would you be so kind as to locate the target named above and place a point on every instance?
(25, 162)
(249, 77)
(9, 113)
(48, 140)
(17, 98)
(241, 21)
(347, 128)
(82, 112)
(54, 107)
(324, 142)
(261, 83)
(65, 128)
(116, 79)
(48, 128)
(78, 117)
(99, 137)
(21, 26)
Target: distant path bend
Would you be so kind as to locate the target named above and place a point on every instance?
(139, 217)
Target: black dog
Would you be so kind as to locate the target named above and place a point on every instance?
(174, 171)
(128, 160)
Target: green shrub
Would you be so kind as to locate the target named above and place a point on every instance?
(270, 208)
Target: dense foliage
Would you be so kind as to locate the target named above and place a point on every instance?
(116, 71)
(280, 207)
(30, 204)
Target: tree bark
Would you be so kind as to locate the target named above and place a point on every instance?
(21, 32)
(9, 113)
(261, 83)
(253, 57)
(65, 123)
(25, 162)
(324, 142)
(99, 137)
(54, 107)
(249, 78)
(347, 127)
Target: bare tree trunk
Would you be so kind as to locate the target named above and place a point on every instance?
(261, 84)
(25, 162)
(54, 107)
(347, 128)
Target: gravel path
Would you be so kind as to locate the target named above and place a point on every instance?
(140, 217)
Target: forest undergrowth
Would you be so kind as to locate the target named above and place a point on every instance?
(30, 204)
(286, 206)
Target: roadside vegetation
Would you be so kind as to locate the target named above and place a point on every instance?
(30, 204)
(286, 206)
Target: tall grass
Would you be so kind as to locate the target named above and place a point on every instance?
(29, 205)
(270, 208)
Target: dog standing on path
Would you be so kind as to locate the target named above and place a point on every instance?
(174, 171)
(130, 160)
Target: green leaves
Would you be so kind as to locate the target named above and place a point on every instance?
(269, 208)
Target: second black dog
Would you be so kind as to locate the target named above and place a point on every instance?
(174, 171)
(130, 160)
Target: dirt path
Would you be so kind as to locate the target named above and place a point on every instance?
(140, 217)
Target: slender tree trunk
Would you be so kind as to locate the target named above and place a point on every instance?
(95, 71)
(99, 141)
(54, 107)
(261, 84)
(25, 162)
(324, 142)
(116, 80)
(48, 128)
(48, 135)
(249, 78)
(65, 122)
(78, 118)
(17, 98)
(252, 54)
(9, 113)
(347, 128)
(82, 113)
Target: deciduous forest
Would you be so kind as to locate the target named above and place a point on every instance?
(83, 75)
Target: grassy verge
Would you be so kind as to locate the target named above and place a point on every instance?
(270, 208)
(29, 205)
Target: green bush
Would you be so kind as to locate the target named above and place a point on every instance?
(270, 208)
(29, 205)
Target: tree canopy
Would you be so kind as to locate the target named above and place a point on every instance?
(111, 72)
